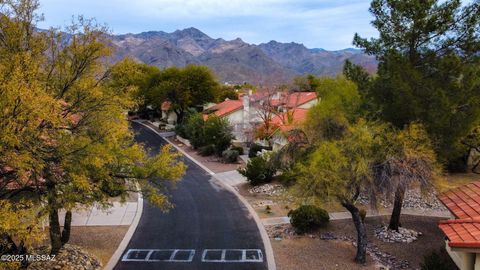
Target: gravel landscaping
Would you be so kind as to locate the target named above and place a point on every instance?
(402, 236)
(414, 199)
(70, 257)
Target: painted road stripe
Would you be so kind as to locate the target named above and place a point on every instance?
(232, 255)
(186, 255)
(159, 255)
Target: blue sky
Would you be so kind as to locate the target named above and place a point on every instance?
(328, 24)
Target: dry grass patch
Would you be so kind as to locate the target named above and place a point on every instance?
(101, 241)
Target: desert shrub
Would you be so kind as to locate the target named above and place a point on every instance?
(437, 261)
(230, 156)
(194, 126)
(181, 131)
(288, 177)
(308, 217)
(206, 150)
(238, 148)
(258, 170)
(255, 148)
(218, 132)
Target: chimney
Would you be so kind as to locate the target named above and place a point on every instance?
(246, 111)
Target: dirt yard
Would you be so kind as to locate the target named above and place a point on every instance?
(313, 254)
(305, 252)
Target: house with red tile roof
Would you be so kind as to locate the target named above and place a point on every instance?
(288, 101)
(236, 111)
(245, 114)
(168, 115)
(285, 122)
(462, 232)
(227, 108)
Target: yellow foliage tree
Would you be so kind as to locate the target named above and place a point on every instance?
(64, 137)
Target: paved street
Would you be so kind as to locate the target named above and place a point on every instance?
(208, 229)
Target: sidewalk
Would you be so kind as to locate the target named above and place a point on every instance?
(347, 215)
(118, 214)
(231, 178)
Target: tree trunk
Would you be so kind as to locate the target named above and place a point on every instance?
(54, 229)
(397, 209)
(7, 245)
(53, 223)
(66, 227)
(361, 256)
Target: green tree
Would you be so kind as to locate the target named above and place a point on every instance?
(342, 169)
(224, 92)
(136, 78)
(188, 87)
(339, 104)
(428, 70)
(306, 83)
(64, 135)
(408, 159)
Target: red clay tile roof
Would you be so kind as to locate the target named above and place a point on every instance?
(165, 106)
(225, 108)
(298, 116)
(462, 232)
(295, 99)
(464, 203)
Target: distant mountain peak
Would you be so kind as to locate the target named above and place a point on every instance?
(191, 32)
(236, 61)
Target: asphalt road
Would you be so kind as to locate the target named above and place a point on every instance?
(207, 219)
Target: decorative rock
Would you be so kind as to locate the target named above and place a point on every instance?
(283, 231)
(414, 199)
(69, 257)
(268, 189)
(402, 236)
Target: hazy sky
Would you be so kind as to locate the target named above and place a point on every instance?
(328, 24)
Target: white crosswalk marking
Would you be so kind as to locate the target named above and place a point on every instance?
(232, 255)
(187, 255)
(159, 255)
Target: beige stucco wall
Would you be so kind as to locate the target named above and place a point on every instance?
(465, 259)
(170, 116)
(309, 104)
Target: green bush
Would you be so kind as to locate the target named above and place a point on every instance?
(258, 171)
(288, 177)
(181, 131)
(194, 127)
(218, 132)
(238, 148)
(308, 217)
(437, 261)
(206, 150)
(255, 148)
(230, 156)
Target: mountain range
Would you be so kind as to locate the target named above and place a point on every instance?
(235, 61)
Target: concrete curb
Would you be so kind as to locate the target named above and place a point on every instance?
(126, 238)
(263, 233)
